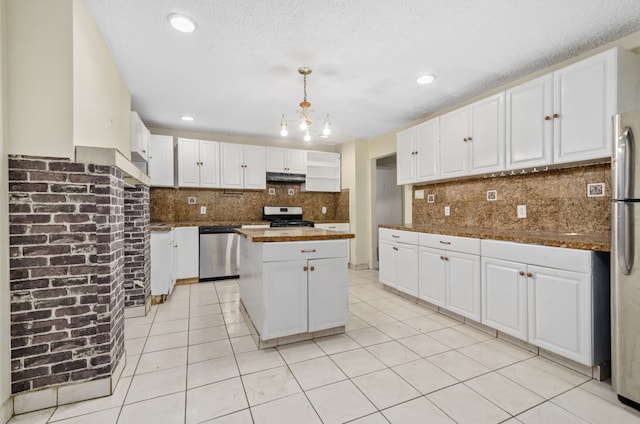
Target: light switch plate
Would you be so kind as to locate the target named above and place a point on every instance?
(419, 194)
(522, 211)
(447, 210)
(203, 210)
(324, 209)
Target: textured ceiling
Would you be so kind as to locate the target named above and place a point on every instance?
(237, 73)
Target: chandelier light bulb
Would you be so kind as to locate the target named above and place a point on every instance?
(326, 130)
(303, 125)
(284, 132)
(307, 136)
(283, 127)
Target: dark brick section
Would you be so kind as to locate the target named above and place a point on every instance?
(137, 246)
(66, 271)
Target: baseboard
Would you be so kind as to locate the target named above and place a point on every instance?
(6, 410)
(359, 267)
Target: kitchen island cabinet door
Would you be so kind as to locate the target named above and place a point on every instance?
(285, 297)
(328, 293)
(388, 258)
(560, 318)
(463, 284)
(431, 276)
(504, 296)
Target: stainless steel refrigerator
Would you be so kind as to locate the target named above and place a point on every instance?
(625, 258)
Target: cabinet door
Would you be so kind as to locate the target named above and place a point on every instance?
(188, 162)
(431, 276)
(427, 142)
(486, 139)
(405, 156)
(454, 133)
(328, 293)
(276, 159)
(560, 312)
(504, 296)
(285, 299)
(231, 165)
(407, 268)
(161, 273)
(254, 169)
(161, 160)
(387, 258)
(210, 164)
(463, 284)
(187, 241)
(529, 134)
(296, 161)
(584, 99)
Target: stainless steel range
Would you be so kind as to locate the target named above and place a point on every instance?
(285, 216)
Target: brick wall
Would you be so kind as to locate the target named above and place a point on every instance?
(137, 246)
(66, 271)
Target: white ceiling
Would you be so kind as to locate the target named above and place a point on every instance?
(237, 73)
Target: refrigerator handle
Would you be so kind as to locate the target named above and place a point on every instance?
(625, 159)
(625, 248)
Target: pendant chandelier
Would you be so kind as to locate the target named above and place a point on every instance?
(305, 114)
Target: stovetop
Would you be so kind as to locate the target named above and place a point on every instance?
(285, 216)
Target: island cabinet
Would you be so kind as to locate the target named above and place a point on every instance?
(293, 288)
(554, 298)
(399, 260)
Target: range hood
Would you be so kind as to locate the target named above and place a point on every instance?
(283, 177)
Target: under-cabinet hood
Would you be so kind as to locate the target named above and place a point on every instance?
(283, 177)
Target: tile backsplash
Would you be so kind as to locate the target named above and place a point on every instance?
(555, 200)
(171, 204)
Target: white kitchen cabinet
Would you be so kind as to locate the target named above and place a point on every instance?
(328, 293)
(289, 161)
(431, 276)
(160, 165)
(162, 257)
(140, 136)
(323, 171)
(417, 153)
(454, 130)
(198, 163)
(187, 241)
(286, 294)
(242, 166)
(343, 227)
(398, 256)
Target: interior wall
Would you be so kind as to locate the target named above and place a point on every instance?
(101, 98)
(348, 182)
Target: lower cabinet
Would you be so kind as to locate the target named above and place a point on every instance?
(187, 240)
(398, 257)
(163, 258)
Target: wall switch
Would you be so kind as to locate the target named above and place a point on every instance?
(324, 209)
(203, 210)
(522, 211)
(419, 194)
(191, 200)
(447, 210)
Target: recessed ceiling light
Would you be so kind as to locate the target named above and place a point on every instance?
(186, 118)
(182, 23)
(425, 79)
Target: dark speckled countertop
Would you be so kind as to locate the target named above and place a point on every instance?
(167, 226)
(270, 235)
(569, 240)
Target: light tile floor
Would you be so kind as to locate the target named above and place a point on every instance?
(192, 360)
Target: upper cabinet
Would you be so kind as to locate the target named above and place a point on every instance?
(417, 153)
(140, 136)
(198, 163)
(323, 171)
(290, 161)
(242, 166)
(161, 161)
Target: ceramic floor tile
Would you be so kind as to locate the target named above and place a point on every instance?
(488, 355)
(452, 338)
(166, 327)
(397, 330)
(209, 350)
(355, 323)
(158, 383)
(240, 417)
(317, 372)
(445, 320)
(94, 405)
(165, 341)
(232, 317)
(268, 385)
(200, 300)
(206, 321)
(475, 334)
(536, 380)
(424, 376)
(510, 349)
(369, 336)
(392, 353)
(198, 311)
(385, 388)
(503, 392)
(424, 324)
(384, 303)
(340, 402)
(211, 371)
(37, 417)
(424, 345)
(401, 313)
(549, 413)
(362, 308)
(336, 344)
(259, 360)
(132, 364)
(419, 410)
(603, 389)
(301, 351)
(161, 360)
(294, 409)
(207, 334)
(137, 331)
(376, 318)
(229, 397)
(376, 418)
(228, 297)
(560, 371)
(357, 362)
(594, 409)
(243, 344)
(165, 409)
(229, 306)
(171, 314)
(458, 365)
(108, 416)
(134, 346)
(465, 406)
(237, 329)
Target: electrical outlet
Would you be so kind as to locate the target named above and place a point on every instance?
(291, 192)
(272, 191)
(203, 210)
(447, 210)
(191, 200)
(324, 209)
(522, 211)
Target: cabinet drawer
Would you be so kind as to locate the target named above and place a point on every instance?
(547, 256)
(344, 227)
(450, 243)
(409, 237)
(297, 250)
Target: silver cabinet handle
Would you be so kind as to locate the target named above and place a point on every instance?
(308, 251)
(395, 236)
(445, 242)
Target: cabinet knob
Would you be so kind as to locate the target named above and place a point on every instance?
(465, 139)
(469, 138)
(446, 258)
(556, 115)
(529, 274)
(313, 268)
(395, 248)
(521, 273)
(547, 118)
(306, 268)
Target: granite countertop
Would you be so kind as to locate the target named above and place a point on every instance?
(269, 235)
(570, 240)
(167, 226)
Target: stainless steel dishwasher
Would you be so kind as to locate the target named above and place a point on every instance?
(218, 253)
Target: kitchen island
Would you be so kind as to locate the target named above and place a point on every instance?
(293, 283)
